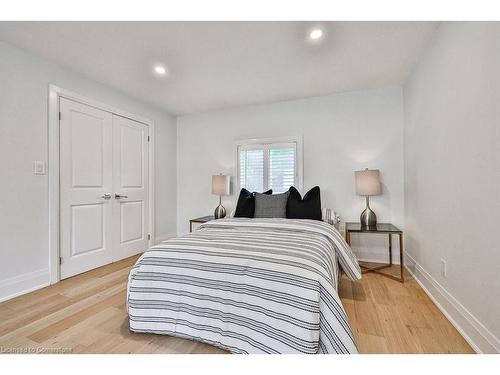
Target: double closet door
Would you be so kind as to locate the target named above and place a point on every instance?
(103, 187)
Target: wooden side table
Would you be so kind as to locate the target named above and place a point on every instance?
(201, 220)
(381, 228)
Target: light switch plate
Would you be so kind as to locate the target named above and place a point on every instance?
(39, 167)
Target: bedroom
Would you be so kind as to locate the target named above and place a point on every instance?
(249, 186)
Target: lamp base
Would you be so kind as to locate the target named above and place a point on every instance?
(368, 219)
(220, 212)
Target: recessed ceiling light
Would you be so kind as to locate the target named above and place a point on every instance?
(316, 34)
(160, 70)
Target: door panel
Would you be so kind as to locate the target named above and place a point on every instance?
(130, 182)
(85, 176)
(87, 224)
(132, 219)
(132, 155)
(86, 150)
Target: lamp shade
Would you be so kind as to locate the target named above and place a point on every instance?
(220, 185)
(368, 182)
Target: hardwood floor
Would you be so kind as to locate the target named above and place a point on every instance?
(390, 317)
(86, 314)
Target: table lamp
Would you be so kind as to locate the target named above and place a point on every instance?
(368, 184)
(220, 187)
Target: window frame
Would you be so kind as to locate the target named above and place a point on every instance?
(266, 143)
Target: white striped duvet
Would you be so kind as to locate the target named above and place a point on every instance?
(247, 285)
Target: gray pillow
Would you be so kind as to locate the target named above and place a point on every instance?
(270, 205)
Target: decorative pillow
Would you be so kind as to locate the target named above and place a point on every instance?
(271, 205)
(308, 207)
(246, 203)
(330, 216)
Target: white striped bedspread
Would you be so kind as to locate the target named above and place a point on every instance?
(248, 286)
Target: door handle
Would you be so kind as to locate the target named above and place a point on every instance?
(106, 196)
(118, 196)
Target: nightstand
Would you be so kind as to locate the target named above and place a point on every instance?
(380, 229)
(200, 220)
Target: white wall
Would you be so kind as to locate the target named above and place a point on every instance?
(24, 80)
(341, 132)
(452, 167)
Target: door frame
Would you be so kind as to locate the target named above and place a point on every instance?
(56, 92)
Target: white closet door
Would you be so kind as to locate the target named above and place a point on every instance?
(85, 178)
(130, 184)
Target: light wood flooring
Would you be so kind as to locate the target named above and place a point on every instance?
(86, 314)
(390, 317)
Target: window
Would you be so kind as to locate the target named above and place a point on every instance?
(269, 164)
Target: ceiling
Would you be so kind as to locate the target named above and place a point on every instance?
(216, 65)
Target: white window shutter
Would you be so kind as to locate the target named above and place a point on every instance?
(281, 168)
(252, 169)
(265, 166)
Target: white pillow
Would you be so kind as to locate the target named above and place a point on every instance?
(329, 216)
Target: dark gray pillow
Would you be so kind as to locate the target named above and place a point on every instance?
(270, 205)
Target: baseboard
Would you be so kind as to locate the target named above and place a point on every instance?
(376, 255)
(164, 237)
(371, 259)
(22, 284)
(473, 331)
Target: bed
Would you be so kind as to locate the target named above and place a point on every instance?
(247, 286)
